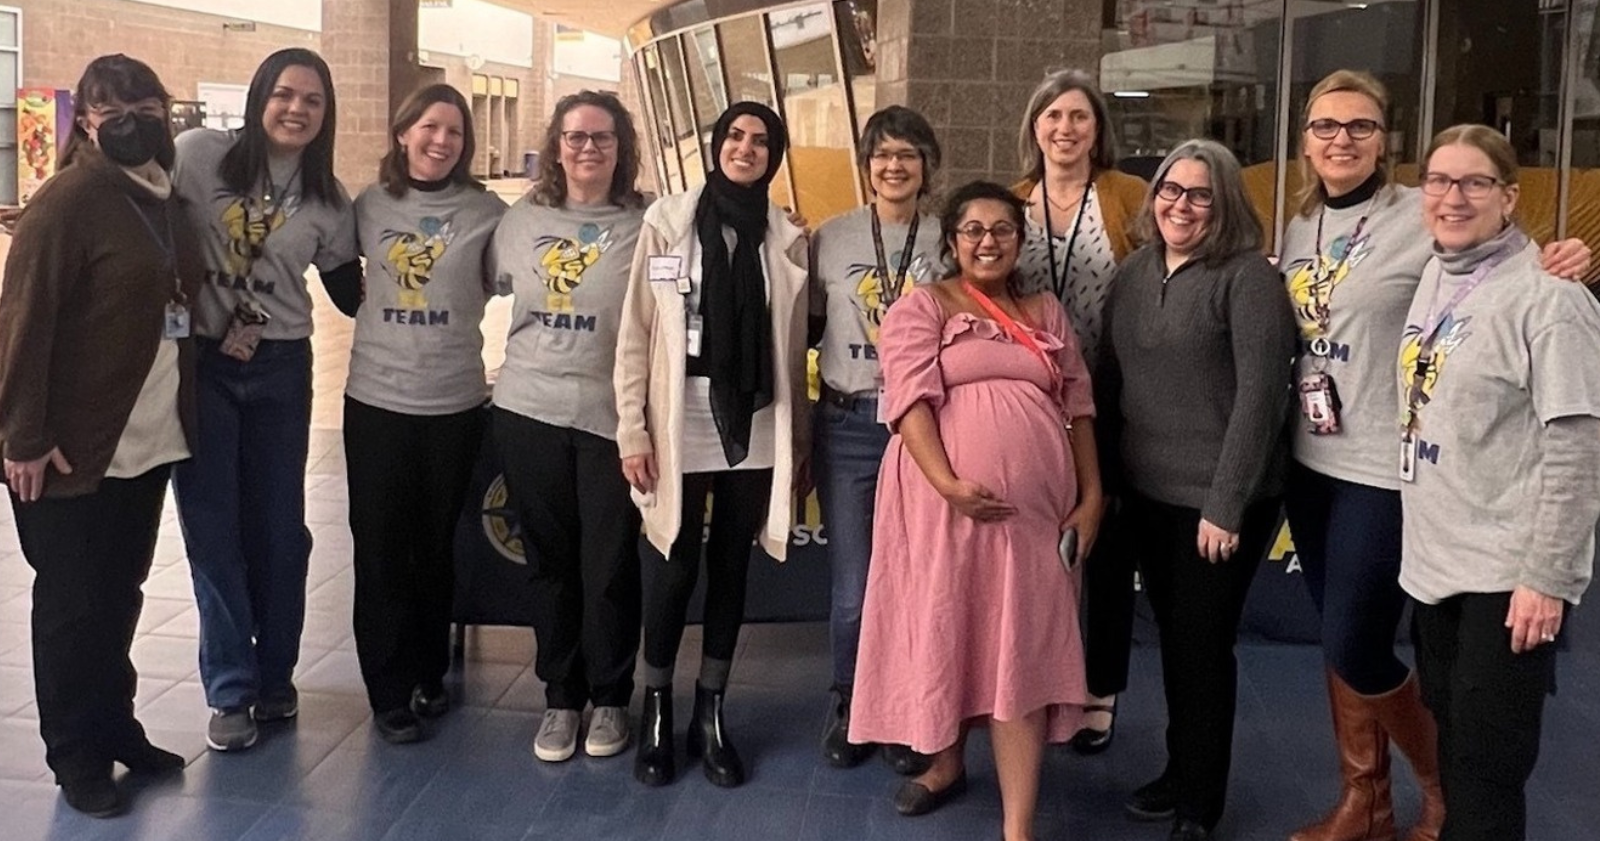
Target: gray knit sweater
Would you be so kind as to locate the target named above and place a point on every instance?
(1197, 369)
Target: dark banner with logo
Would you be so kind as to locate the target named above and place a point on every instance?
(493, 587)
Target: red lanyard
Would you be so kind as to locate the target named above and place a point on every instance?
(1014, 330)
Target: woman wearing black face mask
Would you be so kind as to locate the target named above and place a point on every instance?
(95, 407)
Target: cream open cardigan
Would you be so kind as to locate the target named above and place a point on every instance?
(650, 369)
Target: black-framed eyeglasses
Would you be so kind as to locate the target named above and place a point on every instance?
(1198, 196)
(1472, 186)
(1328, 129)
(576, 140)
(1003, 232)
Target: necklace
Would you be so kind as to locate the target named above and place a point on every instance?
(1064, 208)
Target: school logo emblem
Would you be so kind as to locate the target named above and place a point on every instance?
(870, 299)
(564, 260)
(1315, 278)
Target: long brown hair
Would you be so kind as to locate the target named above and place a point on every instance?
(394, 173)
(1031, 158)
(551, 190)
(1311, 194)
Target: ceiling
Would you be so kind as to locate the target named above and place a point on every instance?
(605, 17)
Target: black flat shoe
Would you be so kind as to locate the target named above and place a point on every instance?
(1188, 830)
(96, 797)
(836, 745)
(708, 739)
(399, 726)
(430, 700)
(916, 799)
(905, 761)
(1089, 741)
(653, 762)
(150, 760)
(1156, 800)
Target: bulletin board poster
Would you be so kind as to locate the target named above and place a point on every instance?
(44, 122)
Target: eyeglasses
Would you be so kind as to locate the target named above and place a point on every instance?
(1472, 186)
(1198, 196)
(882, 157)
(1003, 232)
(1326, 129)
(576, 140)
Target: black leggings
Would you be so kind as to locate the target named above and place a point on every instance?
(741, 506)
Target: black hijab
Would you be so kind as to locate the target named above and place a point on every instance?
(736, 343)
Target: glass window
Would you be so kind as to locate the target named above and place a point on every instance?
(1583, 185)
(674, 74)
(1174, 72)
(1503, 69)
(857, 24)
(666, 141)
(705, 81)
(820, 137)
(744, 58)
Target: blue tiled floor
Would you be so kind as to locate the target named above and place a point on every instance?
(326, 776)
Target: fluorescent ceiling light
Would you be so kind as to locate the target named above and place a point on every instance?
(1131, 94)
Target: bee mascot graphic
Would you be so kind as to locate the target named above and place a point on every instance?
(1314, 279)
(1451, 334)
(870, 298)
(411, 256)
(565, 260)
(246, 222)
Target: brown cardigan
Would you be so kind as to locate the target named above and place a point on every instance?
(1121, 197)
(81, 311)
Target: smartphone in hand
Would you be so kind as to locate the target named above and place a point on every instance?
(1069, 549)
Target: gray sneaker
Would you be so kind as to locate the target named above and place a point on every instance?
(278, 704)
(608, 732)
(231, 729)
(557, 740)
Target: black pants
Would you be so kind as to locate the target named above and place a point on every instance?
(1108, 600)
(408, 478)
(740, 509)
(582, 533)
(1197, 605)
(1489, 704)
(1348, 538)
(90, 556)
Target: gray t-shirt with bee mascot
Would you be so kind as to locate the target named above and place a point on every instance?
(568, 268)
(258, 245)
(418, 346)
(846, 289)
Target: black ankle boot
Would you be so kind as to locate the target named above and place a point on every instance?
(708, 739)
(836, 745)
(653, 763)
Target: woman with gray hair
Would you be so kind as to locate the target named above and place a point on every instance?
(1194, 390)
(1068, 154)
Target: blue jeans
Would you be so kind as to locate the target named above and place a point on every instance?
(848, 445)
(242, 506)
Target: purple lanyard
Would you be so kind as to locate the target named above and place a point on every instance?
(1430, 335)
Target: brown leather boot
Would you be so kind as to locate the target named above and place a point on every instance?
(1410, 726)
(1364, 811)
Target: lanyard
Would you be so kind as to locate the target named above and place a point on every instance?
(1010, 325)
(1322, 279)
(1059, 281)
(1430, 336)
(890, 284)
(169, 251)
(268, 206)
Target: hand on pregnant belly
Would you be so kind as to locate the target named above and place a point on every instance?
(976, 501)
